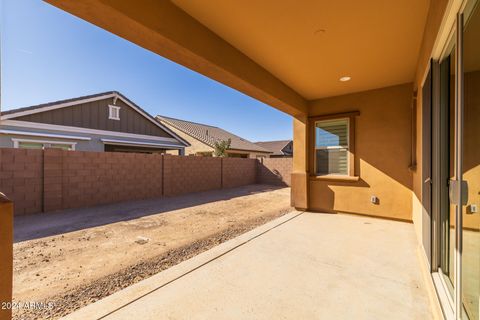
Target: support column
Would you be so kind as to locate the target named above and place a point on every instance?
(6, 256)
(299, 188)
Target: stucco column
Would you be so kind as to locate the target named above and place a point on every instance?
(6, 255)
(299, 191)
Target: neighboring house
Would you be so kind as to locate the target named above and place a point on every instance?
(279, 149)
(202, 138)
(101, 122)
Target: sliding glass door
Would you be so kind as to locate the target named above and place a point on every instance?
(471, 164)
(455, 168)
(443, 146)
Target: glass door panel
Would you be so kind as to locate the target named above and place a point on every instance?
(443, 148)
(471, 166)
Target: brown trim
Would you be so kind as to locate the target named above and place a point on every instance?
(335, 115)
(351, 141)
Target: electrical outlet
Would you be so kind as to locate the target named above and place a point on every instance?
(473, 208)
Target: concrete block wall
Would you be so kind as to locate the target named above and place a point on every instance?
(275, 171)
(21, 178)
(191, 174)
(93, 178)
(53, 179)
(238, 172)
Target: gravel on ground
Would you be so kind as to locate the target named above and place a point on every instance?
(67, 271)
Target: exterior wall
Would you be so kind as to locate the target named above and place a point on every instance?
(299, 183)
(53, 179)
(6, 256)
(382, 155)
(248, 154)
(191, 174)
(94, 115)
(94, 144)
(238, 172)
(256, 155)
(195, 145)
(21, 178)
(275, 171)
(77, 179)
(81, 145)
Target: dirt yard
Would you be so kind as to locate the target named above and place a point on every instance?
(75, 257)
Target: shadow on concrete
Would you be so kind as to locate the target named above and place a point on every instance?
(41, 225)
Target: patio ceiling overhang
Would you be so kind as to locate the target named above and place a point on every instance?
(284, 53)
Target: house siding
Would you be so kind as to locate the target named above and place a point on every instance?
(95, 144)
(94, 115)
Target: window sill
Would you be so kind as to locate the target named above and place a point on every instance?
(334, 177)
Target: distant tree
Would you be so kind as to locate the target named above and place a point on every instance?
(221, 147)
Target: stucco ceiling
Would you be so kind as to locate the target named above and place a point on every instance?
(311, 44)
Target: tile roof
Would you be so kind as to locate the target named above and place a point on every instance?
(274, 146)
(210, 134)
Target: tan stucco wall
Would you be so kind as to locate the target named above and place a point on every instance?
(250, 154)
(6, 255)
(299, 183)
(382, 155)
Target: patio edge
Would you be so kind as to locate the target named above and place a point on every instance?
(122, 298)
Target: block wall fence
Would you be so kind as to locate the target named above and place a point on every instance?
(52, 179)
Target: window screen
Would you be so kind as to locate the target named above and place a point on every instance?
(331, 147)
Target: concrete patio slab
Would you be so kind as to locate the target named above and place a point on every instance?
(300, 266)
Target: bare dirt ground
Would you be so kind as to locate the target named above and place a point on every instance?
(76, 257)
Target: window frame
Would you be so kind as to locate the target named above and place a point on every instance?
(111, 110)
(331, 148)
(45, 143)
(351, 169)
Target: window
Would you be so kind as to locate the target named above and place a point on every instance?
(331, 155)
(30, 145)
(36, 144)
(113, 112)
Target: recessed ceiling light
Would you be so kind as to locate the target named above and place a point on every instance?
(346, 78)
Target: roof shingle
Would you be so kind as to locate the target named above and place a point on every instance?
(274, 146)
(210, 134)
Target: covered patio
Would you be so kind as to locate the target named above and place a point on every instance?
(299, 266)
(364, 83)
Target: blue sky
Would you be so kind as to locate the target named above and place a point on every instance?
(49, 55)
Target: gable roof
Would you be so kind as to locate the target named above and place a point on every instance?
(14, 113)
(210, 134)
(275, 146)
